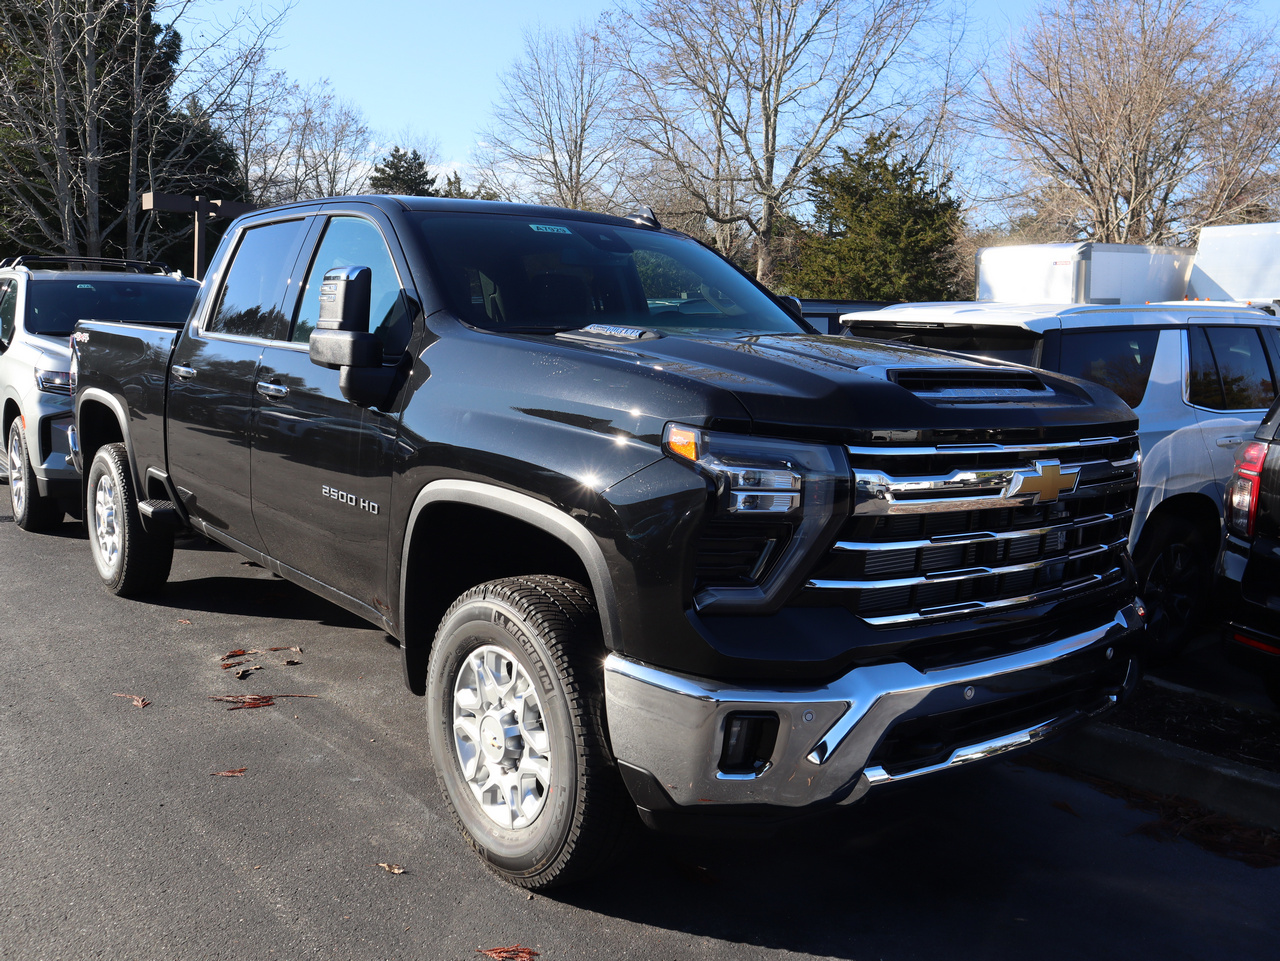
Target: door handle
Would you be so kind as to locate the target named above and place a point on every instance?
(1230, 440)
(274, 391)
(183, 373)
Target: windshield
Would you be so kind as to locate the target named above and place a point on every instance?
(1014, 344)
(54, 306)
(521, 274)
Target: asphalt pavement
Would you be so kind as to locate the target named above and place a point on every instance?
(121, 838)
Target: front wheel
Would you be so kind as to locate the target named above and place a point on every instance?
(31, 511)
(1175, 568)
(131, 560)
(515, 704)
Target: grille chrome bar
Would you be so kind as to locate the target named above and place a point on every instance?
(983, 607)
(1047, 447)
(882, 493)
(942, 577)
(982, 537)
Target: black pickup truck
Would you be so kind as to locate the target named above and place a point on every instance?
(647, 540)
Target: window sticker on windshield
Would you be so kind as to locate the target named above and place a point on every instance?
(550, 229)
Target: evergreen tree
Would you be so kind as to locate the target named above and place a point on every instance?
(405, 174)
(453, 188)
(881, 230)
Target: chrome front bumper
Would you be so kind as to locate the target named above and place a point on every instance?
(673, 726)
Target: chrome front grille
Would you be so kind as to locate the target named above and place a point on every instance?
(956, 530)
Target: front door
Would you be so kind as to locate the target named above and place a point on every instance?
(322, 466)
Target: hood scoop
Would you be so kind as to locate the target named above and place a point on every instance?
(970, 385)
(609, 334)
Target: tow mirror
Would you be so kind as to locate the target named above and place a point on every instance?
(341, 338)
(342, 341)
(344, 299)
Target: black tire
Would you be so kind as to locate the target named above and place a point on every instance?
(131, 560)
(1175, 569)
(539, 637)
(31, 511)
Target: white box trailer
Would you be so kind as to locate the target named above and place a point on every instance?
(1083, 273)
(1237, 263)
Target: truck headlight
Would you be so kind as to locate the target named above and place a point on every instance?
(54, 381)
(777, 502)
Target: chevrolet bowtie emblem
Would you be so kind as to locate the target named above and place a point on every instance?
(1048, 482)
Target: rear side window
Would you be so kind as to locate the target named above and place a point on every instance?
(249, 302)
(1229, 369)
(1118, 359)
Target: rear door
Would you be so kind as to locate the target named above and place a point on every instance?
(1231, 384)
(212, 375)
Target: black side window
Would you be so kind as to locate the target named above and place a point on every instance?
(1204, 388)
(1229, 369)
(352, 242)
(249, 303)
(1118, 359)
(8, 310)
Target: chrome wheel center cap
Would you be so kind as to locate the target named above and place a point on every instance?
(493, 738)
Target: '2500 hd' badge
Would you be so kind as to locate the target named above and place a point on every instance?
(344, 498)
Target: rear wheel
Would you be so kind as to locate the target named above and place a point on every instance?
(1175, 568)
(131, 560)
(31, 511)
(515, 704)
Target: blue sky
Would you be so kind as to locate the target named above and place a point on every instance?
(430, 70)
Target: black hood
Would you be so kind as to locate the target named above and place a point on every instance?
(812, 383)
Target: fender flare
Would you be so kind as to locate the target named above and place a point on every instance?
(111, 402)
(537, 514)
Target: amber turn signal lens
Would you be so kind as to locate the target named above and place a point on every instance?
(682, 441)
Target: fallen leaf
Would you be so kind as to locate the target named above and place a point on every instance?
(391, 868)
(243, 701)
(513, 953)
(248, 670)
(183, 620)
(234, 772)
(291, 663)
(138, 699)
(298, 649)
(239, 652)
(230, 664)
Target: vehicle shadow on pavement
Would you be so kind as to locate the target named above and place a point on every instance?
(999, 861)
(260, 596)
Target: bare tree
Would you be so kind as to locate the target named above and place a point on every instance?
(739, 98)
(555, 136)
(334, 147)
(87, 102)
(1137, 120)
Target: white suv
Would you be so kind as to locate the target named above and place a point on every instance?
(1200, 377)
(41, 298)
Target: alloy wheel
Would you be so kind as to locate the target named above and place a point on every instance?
(501, 742)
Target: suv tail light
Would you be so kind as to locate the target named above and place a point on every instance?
(1242, 492)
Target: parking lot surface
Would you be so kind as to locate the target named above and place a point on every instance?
(122, 839)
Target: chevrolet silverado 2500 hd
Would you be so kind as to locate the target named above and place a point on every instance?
(646, 539)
